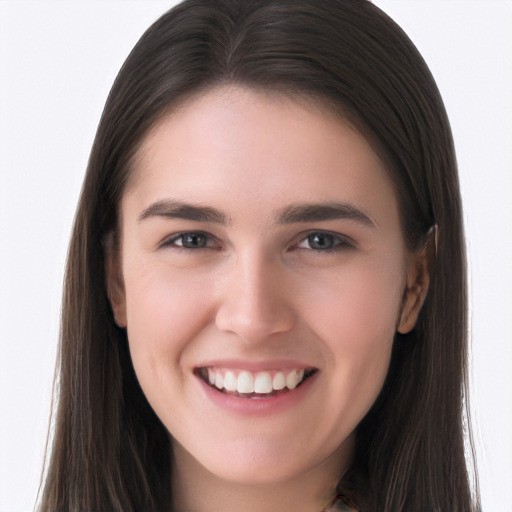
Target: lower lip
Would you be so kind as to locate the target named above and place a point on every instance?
(259, 406)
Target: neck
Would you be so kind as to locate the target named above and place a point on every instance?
(197, 489)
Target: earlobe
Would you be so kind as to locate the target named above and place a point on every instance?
(114, 280)
(414, 297)
(418, 279)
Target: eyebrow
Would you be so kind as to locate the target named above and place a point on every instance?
(316, 212)
(299, 213)
(173, 209)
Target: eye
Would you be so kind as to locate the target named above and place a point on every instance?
(191, 240)
(324, 241)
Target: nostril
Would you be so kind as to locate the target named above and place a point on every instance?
(254, 322)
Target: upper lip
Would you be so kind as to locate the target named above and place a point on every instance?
(256, 366)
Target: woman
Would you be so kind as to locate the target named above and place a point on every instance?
(265, 303)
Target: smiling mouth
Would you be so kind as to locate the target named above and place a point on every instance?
(262, 384)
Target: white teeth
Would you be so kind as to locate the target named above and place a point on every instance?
(263, 383)
(230, 381)
(219, 380)
(260, 383)
(279, 381)
(245, 383)
(292, 380)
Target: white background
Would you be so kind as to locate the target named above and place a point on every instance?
(57, 62)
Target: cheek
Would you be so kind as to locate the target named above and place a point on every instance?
(356, 315)
(164, 311)
(361, 301)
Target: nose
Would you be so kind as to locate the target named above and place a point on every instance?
(256, 302)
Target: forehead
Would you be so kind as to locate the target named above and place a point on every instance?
(260, 146)
(237, 106)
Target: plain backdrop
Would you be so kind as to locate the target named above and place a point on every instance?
(57, 62)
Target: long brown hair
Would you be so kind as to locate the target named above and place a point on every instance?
(110, 452)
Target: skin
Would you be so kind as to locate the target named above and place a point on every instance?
(259, 291)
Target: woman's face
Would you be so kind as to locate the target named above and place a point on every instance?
(262, 276)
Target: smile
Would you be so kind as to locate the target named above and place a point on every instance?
(261, 384)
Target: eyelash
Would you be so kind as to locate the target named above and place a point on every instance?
(339, 242)
(171, 242)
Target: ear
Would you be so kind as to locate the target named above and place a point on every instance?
(114, 279)
(419, 267)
